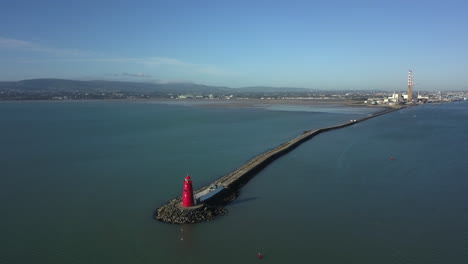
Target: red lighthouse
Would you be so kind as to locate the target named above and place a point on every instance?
(187, 193)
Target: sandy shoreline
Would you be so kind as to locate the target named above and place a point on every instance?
(233, 103)
(290, 105)
(236, 103)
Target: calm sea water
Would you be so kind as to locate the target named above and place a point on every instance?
(79, 182)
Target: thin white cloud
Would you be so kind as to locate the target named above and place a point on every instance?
(9, 43)
(193, 67)
(75, 56)
(138, 75)
(167, 63)
(164, 61)
(13, 43)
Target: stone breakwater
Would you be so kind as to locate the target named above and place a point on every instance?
(173, 212)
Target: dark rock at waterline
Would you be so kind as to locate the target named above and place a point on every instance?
(174, 213)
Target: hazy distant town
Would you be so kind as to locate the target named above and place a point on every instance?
(56, 89)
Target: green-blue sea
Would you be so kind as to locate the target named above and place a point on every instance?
(79, 182)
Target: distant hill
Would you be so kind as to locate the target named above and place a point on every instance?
(61, 85)
(73, 86)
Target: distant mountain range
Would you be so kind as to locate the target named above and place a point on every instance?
(73, 86)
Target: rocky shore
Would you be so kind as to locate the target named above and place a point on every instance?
(174, 213)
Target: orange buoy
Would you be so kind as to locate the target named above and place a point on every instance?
(259, 255)
(392, 158)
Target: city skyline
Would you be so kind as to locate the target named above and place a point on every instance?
(320, 45)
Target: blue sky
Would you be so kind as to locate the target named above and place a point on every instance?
(312, 44)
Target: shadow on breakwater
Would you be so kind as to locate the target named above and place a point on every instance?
(234, 181)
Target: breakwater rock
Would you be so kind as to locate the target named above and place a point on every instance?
(174, 213)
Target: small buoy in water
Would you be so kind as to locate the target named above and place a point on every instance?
(259, 255)
(392, 158)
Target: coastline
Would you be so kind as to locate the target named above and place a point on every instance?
(240, 103)
(281, 104)
(306, 105)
